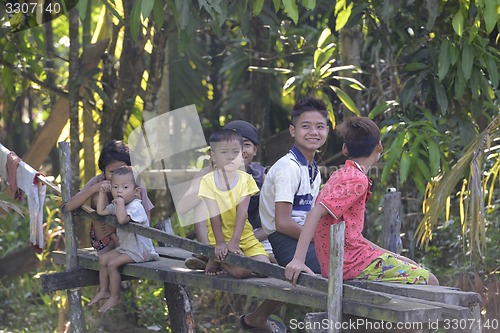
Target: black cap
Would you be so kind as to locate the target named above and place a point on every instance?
(245, 129)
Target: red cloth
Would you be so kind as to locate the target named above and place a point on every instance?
(11, 167)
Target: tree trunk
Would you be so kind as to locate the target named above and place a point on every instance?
(130, 75)
(351, 41)
(74, 97)
(260, 82)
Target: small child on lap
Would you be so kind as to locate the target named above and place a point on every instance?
(133, 247)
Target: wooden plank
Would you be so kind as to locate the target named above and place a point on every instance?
(72, 279)
(440, 294)
(174, 271)
(315, 282)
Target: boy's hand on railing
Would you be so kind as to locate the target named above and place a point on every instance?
(294, 268)
(221, 250)
(234, 247)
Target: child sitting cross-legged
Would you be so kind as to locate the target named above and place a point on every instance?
(226, 192)
(133, 247)
(343, 198)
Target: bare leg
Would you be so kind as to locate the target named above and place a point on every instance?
(103, 292)
(258, 318)
(115, 280)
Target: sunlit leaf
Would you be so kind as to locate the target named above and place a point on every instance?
(458, 22)
(343, 17)
(346, 100)
(381, 108)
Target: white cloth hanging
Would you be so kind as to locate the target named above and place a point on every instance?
(35, 191)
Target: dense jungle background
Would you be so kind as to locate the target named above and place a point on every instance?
(427, 71)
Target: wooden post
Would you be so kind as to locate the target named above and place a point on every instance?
(177, 296)
(391, 225)
(74, 297)
(335, 280)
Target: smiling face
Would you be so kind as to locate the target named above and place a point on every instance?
(249, 151)
(124, 186)
(309, 132)
(227, 155)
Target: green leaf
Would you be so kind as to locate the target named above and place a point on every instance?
(423, 168)
(381, 108)
(434, 157)
(343, 17)
(309, 4)
(291, 10)
(135, 20)
(444, 60)
(453, 53)
(8, 81)
(112, 9)
(416, 66)
(459, 85)
(147, 7)
(158, 13)
(490, 14)
(492, 67)
(257, 7)
(442, 99)
(467, 60)
(346, 100)
(404, 166)
(277, 5)
(458, 22)
(82, 8)
(324, 37)
(393, 154)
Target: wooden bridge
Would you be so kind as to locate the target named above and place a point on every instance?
(398, 304)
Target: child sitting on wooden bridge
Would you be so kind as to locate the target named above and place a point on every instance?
(343, 198)
(226, 192)
(133, 247)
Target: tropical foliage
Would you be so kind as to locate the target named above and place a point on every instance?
(426, 71)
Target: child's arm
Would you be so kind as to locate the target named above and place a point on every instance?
(216, 222)
(102, 199)
(81, 197)
(241, 217)
(121, 212)
(297, 265)
(190, 199)
(284, 222)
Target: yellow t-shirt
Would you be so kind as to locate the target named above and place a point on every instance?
(227, 202)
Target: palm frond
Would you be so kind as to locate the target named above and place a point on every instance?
(477, 184)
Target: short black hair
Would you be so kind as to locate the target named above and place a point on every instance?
(225, 135)
(126, 170)
(360, 135)
(307, 104)
(114, 151)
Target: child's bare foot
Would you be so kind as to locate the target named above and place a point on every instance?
(111, 302)
(99, 296)
(212, 268)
